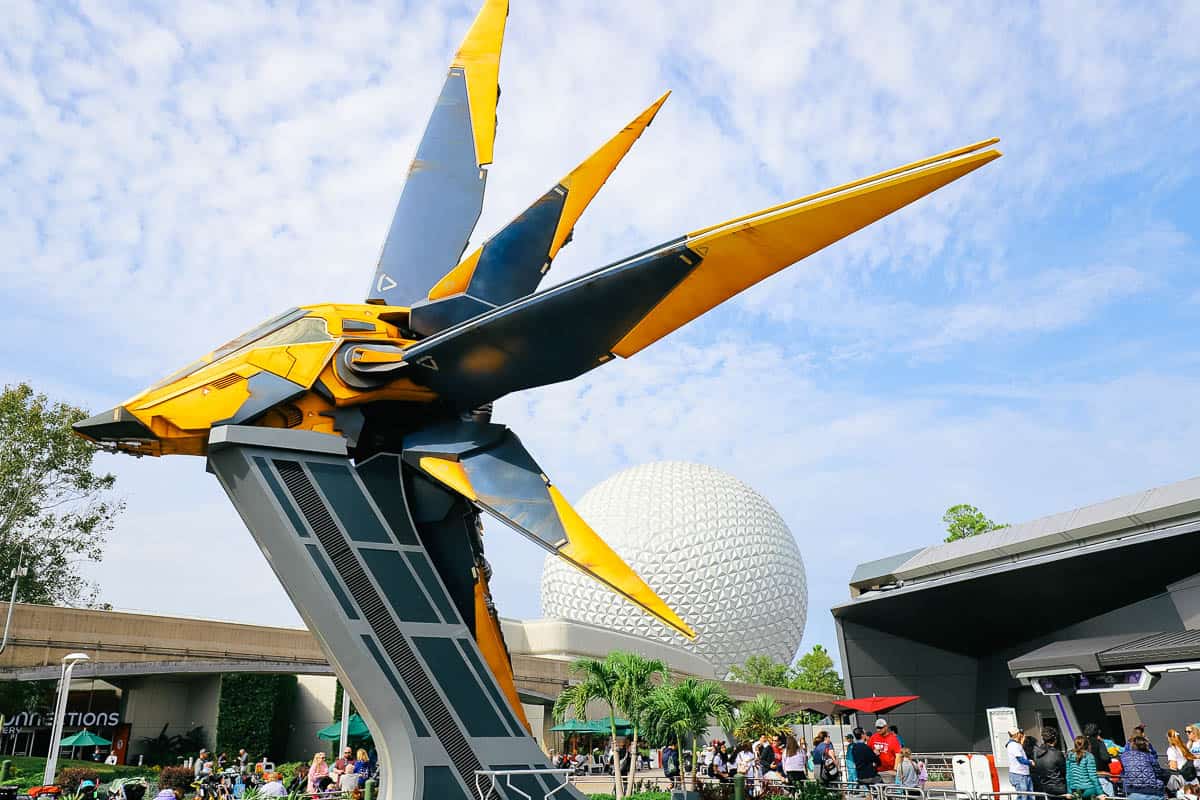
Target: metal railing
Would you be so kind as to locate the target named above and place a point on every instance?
(507, 774)
(845, 790)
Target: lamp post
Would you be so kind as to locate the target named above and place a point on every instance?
(17, 574)
(60, 712)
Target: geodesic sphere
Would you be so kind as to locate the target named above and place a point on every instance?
(713, 548)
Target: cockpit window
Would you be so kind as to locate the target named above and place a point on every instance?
(308, 329)
(254, 334)
(290, 327)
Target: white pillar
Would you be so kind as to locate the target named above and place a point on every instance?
(345, 722)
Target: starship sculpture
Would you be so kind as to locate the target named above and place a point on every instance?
(356, 439)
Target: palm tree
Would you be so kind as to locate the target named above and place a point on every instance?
(761, 715)
(676, 710)
(599, 681)
(635, 682)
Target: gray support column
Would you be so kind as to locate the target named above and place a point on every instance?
(342, 541)
(1064, 713)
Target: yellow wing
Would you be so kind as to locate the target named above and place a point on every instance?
(488, 465)
(443, 191)
(737, 254)
(572, 328)
(511, 264)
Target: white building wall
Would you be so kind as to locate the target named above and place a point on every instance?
(311, 711)
(179, 703)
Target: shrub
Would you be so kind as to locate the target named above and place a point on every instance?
(716, 791)
(70, 778)
(288, 769)
(180, 778)
(165, 750)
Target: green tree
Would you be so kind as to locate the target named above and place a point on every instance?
(599, 681)
(676, 710)
(814, 672)
(761, 670)
(55, 509)
(763, 714)
(635, 681)
(964, 521)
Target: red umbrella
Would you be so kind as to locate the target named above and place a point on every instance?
(875, 705)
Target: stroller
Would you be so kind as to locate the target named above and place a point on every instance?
(127, 789)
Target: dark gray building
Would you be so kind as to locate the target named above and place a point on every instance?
(1091, 615)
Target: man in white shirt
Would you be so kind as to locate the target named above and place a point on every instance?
(1018, 765)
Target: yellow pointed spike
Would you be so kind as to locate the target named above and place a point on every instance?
(450, 473)
(458, 279)
(741, 252)
(582, 185)
(491, 646)
(585, 180)
(479, 58)
(587, 551)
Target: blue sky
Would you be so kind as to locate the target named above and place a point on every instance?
(1024, 340)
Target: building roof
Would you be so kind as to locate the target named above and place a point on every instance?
(1134, 565)
(1141, 512)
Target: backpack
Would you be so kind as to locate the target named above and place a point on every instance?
(829, 768)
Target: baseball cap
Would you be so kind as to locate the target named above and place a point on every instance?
(881, 723)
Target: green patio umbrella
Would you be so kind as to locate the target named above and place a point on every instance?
(355, 729)
(573, 726)
(84, 738)
(604, 728)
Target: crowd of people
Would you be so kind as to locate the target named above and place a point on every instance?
(348, 774)
(221, 776)
(878, 758)
(1091, 766)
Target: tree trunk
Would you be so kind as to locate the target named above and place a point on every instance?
(679, 749)
(612, 724)
(633, 759)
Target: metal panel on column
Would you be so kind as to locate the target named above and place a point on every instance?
(344, 545)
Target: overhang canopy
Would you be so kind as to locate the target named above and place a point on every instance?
(1082, 655)
(1099, 653)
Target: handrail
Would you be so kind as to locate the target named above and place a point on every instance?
(565, 774)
